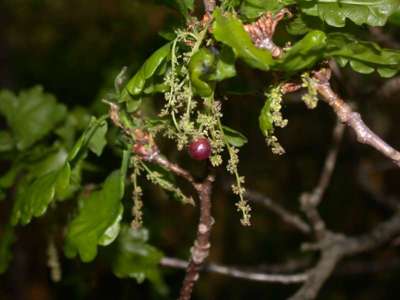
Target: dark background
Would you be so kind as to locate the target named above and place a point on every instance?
(75, 48)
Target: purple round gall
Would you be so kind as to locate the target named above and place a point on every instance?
(200, 149)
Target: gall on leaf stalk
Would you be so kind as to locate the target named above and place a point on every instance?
(200, 149)
(145, 148)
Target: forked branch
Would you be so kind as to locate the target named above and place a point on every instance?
(200, 249)
(145, 147)
(334, 247)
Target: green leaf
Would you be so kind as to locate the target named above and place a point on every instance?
(34, 197)
(33, 164)
(224, 66)
(96, 131)
(7, 179)
(137, 83)
(168, 33)
(361, 67)
(229, 30)
(6, 141)
(304, 54)
(301, 24)
(386, 72)
(31, 115)
(7, 239)
(395, 18)
(137, 259)
(54, 160)
(364, 57)
(335, 12)
(233, 137)
(252, 9)
(97, 222)
(201, 64)
(134, 104)
(156, 122)
(98, 140)
(112, 231)
(126, 154)
(183, 6)
(154, 87)
(265, 118)
(77, 120)
(207, 66)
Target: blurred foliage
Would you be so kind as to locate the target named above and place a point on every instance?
(74, 49)
(137, 259)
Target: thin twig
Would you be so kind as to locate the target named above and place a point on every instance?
(381, 37)
(329, 165)
(286, 216)
(310, 201)
(174, 168)
(201, 247)
(352, 119)
(367, 267)
(390, 88)
(290, 218)
(237, 272)
(255, 274)
(209, 5)
(380, 234)
(365, 174)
